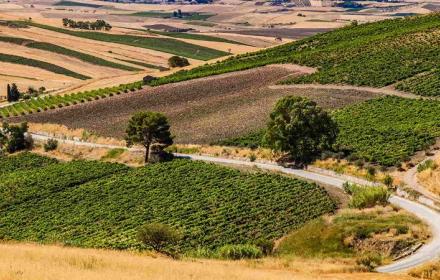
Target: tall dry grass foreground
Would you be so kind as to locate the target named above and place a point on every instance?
(36, 262)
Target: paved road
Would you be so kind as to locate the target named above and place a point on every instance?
(427, 253)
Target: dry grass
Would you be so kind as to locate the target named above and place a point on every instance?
(430, 178)
(428, 271)
(36, 262)
(345, 167)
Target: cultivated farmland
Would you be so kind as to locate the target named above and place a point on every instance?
(374, 54)
(201, 111)
(211, 205)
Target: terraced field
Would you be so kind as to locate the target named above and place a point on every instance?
(93, 204)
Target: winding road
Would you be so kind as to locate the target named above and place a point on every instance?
(428, 252)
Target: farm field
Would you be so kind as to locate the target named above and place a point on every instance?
(93, 204)
(375, 54)
(231, 104)
(385, 130)
(43, 261)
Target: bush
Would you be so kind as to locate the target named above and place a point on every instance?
(50, 145)
(241, 251)
(266, 246)
(158, 236)
(147, 79)
(365, 196)
(177, 61)
(369, 261)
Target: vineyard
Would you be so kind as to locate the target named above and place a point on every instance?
(44, 103)
(211, 205)
(9, 58)
(388, 130)
(64, 51)
(373, 54)
(427, 84)
(385, 130)
(23, 161)
(167, 45)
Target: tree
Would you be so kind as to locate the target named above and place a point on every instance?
(177, 61)
(149, 128)
(159, 237)
(13, 138)
(300, 128)
(13, 93)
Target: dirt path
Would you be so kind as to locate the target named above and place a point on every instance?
(384, 90)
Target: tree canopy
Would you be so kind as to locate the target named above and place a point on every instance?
(300, 128)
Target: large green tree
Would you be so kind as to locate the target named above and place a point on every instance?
(300, 128)
(147, 129)
(13, 138)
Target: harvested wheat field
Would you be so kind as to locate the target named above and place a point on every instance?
(37, 262)
(200, 111)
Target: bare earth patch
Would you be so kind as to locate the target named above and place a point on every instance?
(200, 111)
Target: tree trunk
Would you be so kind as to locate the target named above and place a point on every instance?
(147, 153)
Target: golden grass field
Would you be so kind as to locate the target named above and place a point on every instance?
(38, 262)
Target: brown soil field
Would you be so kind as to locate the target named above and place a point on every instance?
(200, 111)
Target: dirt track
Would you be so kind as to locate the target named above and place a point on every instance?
(200, 111)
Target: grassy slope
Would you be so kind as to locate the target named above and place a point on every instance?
(41, 64)
(349, 228)
(212, 205)
(64, 51)
(374, 54)
(167, 45)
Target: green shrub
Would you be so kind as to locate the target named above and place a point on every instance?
(158, 236)
(241, 251)
(50, 145)
(366, 196)
(266, 246)
(177, 61)
(369, 261)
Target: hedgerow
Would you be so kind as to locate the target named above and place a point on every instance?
(211, 206)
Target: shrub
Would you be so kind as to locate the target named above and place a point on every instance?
(159, 237)
(388, 181)
(369, 261)
(365, 196)
(147, 79)
(177, 61)
(266, 246)
(241, 251)
(50, 145)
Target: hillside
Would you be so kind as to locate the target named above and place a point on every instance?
(374, 54)
(93, 204)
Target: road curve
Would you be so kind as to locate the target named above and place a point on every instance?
(428, 252)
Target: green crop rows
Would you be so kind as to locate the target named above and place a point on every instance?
(167, 45)
(385, 130)
(64, 51)
(373, 54)
(427, 84)
(41, 64)
(185, 16)
(23, 161)
(144, 64)
(47, 102)
(388, 130)
(73, 4)
(210, 205)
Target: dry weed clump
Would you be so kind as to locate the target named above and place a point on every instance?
(430, 178)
